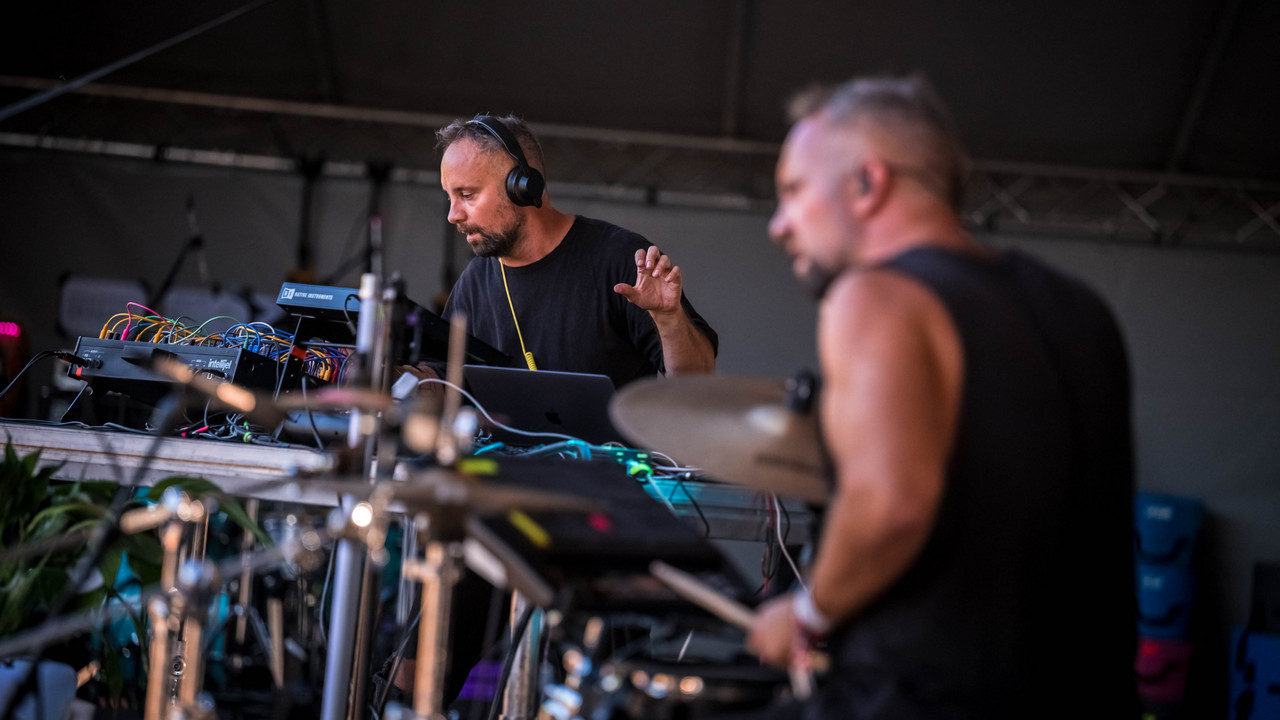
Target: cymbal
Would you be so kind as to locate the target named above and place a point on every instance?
(737, 429)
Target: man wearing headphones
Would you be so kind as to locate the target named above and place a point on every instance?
(564, 292)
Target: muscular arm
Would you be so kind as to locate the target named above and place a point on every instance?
(891, 363)
(891, 366)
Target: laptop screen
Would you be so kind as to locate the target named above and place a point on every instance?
(545, 401)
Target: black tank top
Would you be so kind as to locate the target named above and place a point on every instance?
(1022, 601)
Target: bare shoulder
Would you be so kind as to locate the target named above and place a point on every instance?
(874, 301)
(882, 328)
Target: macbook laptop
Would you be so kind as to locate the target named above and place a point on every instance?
(565, 403)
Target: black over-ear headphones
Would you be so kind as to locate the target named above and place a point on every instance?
(524, 183)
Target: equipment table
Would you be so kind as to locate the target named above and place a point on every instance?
(115, 456)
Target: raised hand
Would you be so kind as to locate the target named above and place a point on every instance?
(658, 283)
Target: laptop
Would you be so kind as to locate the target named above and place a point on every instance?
(565, 403)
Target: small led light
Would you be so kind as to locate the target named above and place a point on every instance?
(661, 684)
(362, 515)
(691, 685)
(640, 680)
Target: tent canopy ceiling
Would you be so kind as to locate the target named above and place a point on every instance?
(1178, 86)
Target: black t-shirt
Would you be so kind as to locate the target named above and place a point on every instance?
(570, 317)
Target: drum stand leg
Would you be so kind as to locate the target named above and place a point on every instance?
(176, 667)
(246, 582)
(408, 549)
(438, 575)
(343, 618)
(158, 676)
(189, 661)
(520, 693)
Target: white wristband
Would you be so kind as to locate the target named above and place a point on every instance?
(808, 615)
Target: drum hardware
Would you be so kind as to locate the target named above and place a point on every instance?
(268, 629)
(663, 690)
(442, 504)
(438, 572)
(699, 593)
(742, 430)
(565, 700)
(174, 688)
(175, 611)
(343, 696)
(636, 680)
(447, 511)
(246, 582)
(177, 615)
(520, 695)
(182, 542)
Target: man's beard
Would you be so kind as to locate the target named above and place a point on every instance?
(493, 243)
(817, 280)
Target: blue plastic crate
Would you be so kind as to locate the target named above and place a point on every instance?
(1165, 597)
(1254, 684)
(1166, 528)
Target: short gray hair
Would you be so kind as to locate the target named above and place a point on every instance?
(906, 109)
(464, 129)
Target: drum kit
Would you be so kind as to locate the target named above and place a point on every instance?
(757, 434)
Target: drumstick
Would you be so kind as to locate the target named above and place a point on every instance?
(717, 603)
(703, 595)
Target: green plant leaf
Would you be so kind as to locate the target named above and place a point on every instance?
(237, 514)
(194, 486)
(143, 549)
(53, 519)
(199, 487)
(111, 673)
(29, 463)
(48, 581)
(109, 565)
(90, 600)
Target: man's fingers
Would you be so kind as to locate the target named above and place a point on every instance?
(652, 256)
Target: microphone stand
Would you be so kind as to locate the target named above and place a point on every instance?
(194, 243)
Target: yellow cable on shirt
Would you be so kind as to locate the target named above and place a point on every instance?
(528, 356)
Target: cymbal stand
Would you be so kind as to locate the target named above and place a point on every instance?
(176, 668)
(438, 572)
(350, 617)
(443, 552)
(244, 596)
(521, 692)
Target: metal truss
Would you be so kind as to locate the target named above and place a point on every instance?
(1159, 209)
(1165, 209)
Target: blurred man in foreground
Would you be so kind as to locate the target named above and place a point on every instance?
(976, 558)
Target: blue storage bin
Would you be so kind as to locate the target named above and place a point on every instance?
(1254, 685)
(1165, 596)
(1166, 527)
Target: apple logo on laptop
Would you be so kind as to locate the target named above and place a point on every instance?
(553, 417)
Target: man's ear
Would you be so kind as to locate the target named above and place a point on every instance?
(871, 181)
